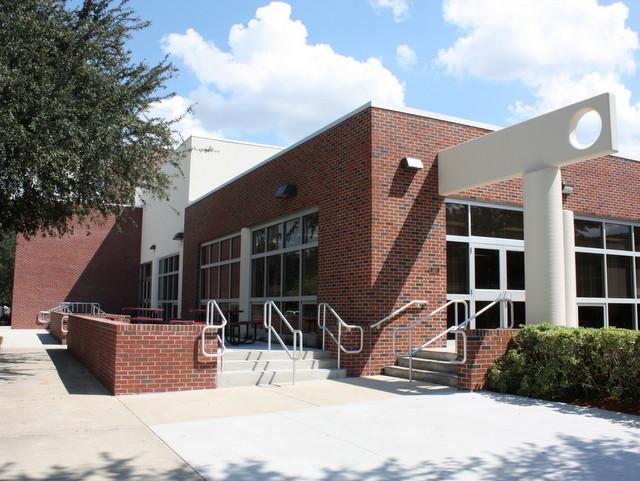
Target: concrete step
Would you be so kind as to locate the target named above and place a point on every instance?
(254, 378)
(277, 364)
(446, 379)
(428, 364)
(437, 354)
(274, 355)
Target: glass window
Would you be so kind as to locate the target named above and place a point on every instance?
(487, 268)
(515, 270)
(224, 282)
(235, 280)
(309, 318)
(257, 276)
(588, 233)
(215, 252)
(235, 247)
(457, 268)
(291, 311)
(273, 237)
(292, 273)
(214, 282)
(489, 319)
(619, 276)
(292, 232)
(273, 276)
(591, 316)
(310, 272)
(618, 236)
(259, 241)
(225, 250)
(457, 219)
(491, 222)
(310, 227)
(519, 313)
(636, 238)
(621, 315)
(589, 275)
(637, 261)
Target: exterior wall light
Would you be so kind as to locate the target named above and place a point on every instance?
(179, 236)
(286, 191)
(412, 163)
(567, 189)
(153, 247)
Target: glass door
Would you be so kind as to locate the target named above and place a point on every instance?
(495, 269)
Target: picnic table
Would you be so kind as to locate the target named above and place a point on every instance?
(145, 315)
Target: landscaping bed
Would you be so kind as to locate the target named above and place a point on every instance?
(592, 367)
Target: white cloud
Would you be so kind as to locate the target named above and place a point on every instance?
(189, 124)
(272, 80)
(399, 8)
(564, 51)
(406, 57)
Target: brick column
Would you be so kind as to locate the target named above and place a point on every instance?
(484, 348)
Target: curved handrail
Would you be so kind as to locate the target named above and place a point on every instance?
(377, 324)
(269, 306)
(322, 307)
(212, 308)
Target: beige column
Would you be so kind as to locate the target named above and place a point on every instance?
(570, 269)
(245, 274)
(544, 247)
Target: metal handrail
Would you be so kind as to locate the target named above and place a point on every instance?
(269, 306)
(44, 317)
(377, 324)
(456, 329)
(322, 307)
(212, 308)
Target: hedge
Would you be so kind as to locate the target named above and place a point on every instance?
(561, 363)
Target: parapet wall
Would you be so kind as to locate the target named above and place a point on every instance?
(57, 322)
(484, 348)
(142, 358)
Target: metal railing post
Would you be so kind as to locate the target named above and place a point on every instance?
(411, 355)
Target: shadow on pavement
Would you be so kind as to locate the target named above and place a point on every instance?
(398, 386)
(75, 377)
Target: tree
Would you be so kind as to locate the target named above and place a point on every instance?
(7, 250)
(76, 139)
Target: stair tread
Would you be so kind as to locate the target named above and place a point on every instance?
(426, 371)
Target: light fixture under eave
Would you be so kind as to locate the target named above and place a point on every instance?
(179, 236)
(567, 189)
(412, 163)
(153, 247)
(286, 191)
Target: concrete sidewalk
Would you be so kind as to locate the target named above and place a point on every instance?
(59, 423)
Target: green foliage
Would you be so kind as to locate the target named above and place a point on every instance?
(7, 252)
(75, 139)
(567, 363)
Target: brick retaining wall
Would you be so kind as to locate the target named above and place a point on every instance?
(55, 326)
(484, 348)
(142, 358)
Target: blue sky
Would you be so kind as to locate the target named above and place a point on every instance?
(486, 60)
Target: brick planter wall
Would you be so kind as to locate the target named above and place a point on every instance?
(133, 358)
(55, 326)
(484, 348)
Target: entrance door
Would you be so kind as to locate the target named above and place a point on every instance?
(495, 269)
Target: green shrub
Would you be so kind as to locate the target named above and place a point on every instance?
(551, 362)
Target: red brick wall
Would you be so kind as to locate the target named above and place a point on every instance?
(484, 348)
(132, 359)
(100, 267)
(56, 324)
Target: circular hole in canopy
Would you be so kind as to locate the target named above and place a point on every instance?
(587, 130)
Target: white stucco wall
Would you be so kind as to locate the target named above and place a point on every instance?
(205, 164)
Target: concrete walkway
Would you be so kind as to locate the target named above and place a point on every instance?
(59, 424)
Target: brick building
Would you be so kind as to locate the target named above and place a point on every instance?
(340, 217)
